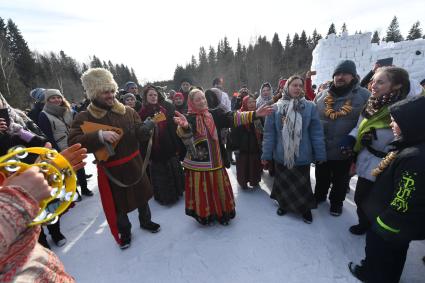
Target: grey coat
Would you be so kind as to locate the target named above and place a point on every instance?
(366, 161)
(335, 130)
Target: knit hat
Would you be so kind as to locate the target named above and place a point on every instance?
(51, 92)
(345, 66)
(128, 95)
(96, 81)
(128, 85)
(178, 95)
(38, 94)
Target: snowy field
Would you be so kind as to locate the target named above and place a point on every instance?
(257, 246)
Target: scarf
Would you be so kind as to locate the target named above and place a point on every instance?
(375, 104)
(55, 110)
(290, 109)
(149, 110)
(380, 120)
(261, 100)
(204, 121)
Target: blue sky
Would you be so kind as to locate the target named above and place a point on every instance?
(153, 37)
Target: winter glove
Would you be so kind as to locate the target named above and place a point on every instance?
(149, 124)
(368, 137)
(346, 145)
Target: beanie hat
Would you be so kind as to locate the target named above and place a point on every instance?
(128, 85)
(51, 92)
(96, 81)
(178, 95)
(38, 94)
(128, 95)
(345, 66)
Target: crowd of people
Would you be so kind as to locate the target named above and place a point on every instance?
(180, 143)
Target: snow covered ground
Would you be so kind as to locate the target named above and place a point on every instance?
(258, 245)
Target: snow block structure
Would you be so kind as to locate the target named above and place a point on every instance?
(409, 54)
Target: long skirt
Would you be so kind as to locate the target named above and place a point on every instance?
(248, 168)
(292, 188)
(209, 196)
(167, 180)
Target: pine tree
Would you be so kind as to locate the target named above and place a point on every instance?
(331, 29)
(393, 31)
(212, 56)
(203, 60)
(95, 62)
(6, 61)
(296, 41)
(3, 29)
(316, 37)
(375, 37)
(277, 49)
(303, 40)
(344, 28)
(21, 54)
(415, 31)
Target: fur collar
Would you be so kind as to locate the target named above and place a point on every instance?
(99, 113)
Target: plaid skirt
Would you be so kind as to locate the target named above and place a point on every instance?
(292, 188)
(209, 196)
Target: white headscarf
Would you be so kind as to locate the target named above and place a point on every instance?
(290, 108)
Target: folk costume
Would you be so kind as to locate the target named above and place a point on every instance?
(247, 140)
(121, 187)
(208, 191)
(166, 172)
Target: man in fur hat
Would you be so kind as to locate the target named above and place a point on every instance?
(121, 184)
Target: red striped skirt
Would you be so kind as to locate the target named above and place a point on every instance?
(209, 196)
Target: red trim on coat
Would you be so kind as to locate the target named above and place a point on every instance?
(105, 191)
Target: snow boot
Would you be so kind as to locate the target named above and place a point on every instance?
(280, 211)
(308, 217)
(357, 271)
(151, 226)
(358, 229)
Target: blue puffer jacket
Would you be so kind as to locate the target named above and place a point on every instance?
(312, 144)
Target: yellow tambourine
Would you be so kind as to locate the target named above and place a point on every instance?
(58, 173)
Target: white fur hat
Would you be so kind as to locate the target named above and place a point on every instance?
(98, 80)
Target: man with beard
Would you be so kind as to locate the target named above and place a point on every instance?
(122, 186)
(339, 109)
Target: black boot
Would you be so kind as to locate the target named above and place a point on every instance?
(55, 233)
(308, 217)
(357, 271)
(280, 211)
(125, 241)
(86, 192)
(151, 226)
(357, 229)
(43, 240)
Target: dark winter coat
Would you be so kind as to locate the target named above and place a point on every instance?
(124, 117)
(396, 204)
(35, 111)
(245, 140)
(336, 130)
